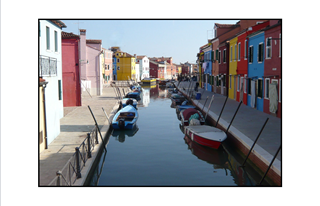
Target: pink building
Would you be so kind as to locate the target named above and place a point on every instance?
(90, 65)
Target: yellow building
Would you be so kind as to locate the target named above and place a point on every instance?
(233, 58)
(126, 64)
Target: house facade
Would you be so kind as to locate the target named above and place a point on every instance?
(125, 66)
(108, 66)
(70, 70)
(50, 69)
(256, 70)
(90, 64)
(207, 67)
(144, 66)
(233, 57)
(272, 69)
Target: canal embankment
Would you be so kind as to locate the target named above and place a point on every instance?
(74, 127)
(246, 127)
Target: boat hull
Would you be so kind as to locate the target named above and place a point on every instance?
(205, 135)
(126, 118)
(186, 113)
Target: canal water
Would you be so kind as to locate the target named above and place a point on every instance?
(157, 153)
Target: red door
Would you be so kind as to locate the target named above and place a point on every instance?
(70, 97)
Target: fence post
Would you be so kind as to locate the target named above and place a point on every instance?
(89, 145)
(58, 173)
(78, 172)
(97, 139)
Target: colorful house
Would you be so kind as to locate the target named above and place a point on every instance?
(50, 69)
(233, 57)
(272, 69)
(144, 66)
(157, 69)
(126, 66)
(70, 70)
(207, 67)
(108, 65)
(255, 69)
(90, 65)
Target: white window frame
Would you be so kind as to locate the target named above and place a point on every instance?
(257, 88)
(245, 84)
(245, 49)
(280, 45)
(239, 51)
(266, 93)
(235, 52)
(56, 41)
(238, 83)
(269, 47)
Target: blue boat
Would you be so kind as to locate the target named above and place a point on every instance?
(126, 118)
(134, 95)
(125, 102)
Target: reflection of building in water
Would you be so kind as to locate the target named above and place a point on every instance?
(145, 97)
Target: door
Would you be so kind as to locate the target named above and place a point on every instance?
(69, 89)
(235, 87)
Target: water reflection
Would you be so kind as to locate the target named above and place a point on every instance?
(120, 135)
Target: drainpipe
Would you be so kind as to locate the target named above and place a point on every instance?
(44, 85)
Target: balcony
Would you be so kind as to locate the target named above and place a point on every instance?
(47, 66)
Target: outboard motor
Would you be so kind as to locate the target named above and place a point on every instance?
(129, 102)
(121, 123)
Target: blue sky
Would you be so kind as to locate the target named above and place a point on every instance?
(179, 39)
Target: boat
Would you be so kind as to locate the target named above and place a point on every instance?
(177, 99)
(134, 95)
(125, 118)
(205, 135)
(190, 113)
(184, 105)
(149, 81)
(125, 102)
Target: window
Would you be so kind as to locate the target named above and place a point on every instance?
(245, 84)
(245, 49)
(249, 86)
(235, 52)
(118, 68)
(260, 86)
(266, 88)
(55, 41)
(268, 47)
(260, 52)
(224, 55)
(219, 56)
(250, 54)
(280, 45)
(238, 83)
(48, 37)
(118, 60)
(231, 53)
(212, 56)
(239, 48)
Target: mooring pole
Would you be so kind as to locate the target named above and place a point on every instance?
(205, 103)
(255, 141)
(97, 126)
(222, 110)
(209, 107)
(270, 165)
(234, 116)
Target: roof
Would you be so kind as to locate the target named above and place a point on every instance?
(93, 41)
(141, 57)
(65, 35)
(226, 25)
(59, 23)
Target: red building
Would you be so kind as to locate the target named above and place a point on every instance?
(156, 70)
(70, 70)
(242, 65)
(272, 69)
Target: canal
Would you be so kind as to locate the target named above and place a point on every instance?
(157, 153)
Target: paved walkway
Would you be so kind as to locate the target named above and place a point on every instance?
(246, 125)
(74, 126)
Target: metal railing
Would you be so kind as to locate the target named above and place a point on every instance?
(68, 175)
(47, 66)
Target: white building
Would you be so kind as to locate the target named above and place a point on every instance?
(50, 69)
(144, 66)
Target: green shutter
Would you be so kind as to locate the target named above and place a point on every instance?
(48, 37)
(60, 89)
(217, 51)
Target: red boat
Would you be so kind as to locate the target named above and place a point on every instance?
(186, 114)
(206, 135)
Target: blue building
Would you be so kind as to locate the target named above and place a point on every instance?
(207, 67)
(114, 68)
(255, 70)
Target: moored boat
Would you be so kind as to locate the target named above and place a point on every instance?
(191, 113)
(126, 118)
(126, 101)
(134, 95)
(205, 135)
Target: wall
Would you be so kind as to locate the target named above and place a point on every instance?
(233, 47)
(94, 73)
(54, 105)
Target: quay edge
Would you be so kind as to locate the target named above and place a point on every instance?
(258, 157)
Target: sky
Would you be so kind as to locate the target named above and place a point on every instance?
(179, 39)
